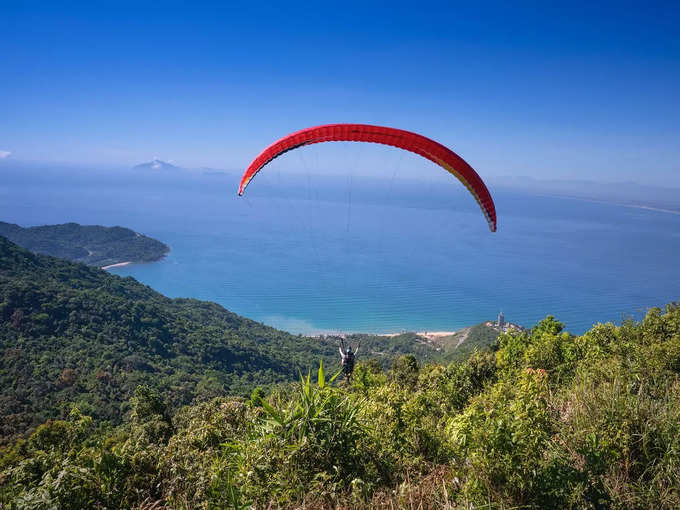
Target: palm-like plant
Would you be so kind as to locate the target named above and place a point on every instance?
(319, 428)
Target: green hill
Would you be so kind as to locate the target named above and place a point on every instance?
(90, 244)
(71, 333)
(464, 342)
(457, 346)
(547, 420)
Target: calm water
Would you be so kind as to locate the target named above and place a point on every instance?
(308, 254)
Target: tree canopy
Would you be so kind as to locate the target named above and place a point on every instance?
(75, 334)
(546, 420)
(90, 244)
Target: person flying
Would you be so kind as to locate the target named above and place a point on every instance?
(347, 359)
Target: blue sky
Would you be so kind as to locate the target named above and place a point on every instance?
(553, 92)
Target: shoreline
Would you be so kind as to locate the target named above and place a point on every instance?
(430, 335)
(119, 264)
(128, 262)
(611, 202)
(426, 334)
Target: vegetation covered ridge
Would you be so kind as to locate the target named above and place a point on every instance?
(427, 346)
(75, 334)
(545, 420)
(93, 245)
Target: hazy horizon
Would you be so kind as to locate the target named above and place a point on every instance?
(389, 171)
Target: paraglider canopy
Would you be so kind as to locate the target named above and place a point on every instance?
(413, 142)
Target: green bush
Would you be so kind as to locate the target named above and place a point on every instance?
(548, 420)
(500, 437)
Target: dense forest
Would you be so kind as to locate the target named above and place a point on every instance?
(71, 333)
(90, 244)
(74, 334)
(544, 420)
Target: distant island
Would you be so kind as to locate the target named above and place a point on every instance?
(93, 245)
(156, 164)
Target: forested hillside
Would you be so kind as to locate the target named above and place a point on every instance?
(74, 334)
(547, 420)
(157, 405)
(90, 244)
(70, 333)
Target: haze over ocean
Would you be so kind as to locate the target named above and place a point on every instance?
(297, 253)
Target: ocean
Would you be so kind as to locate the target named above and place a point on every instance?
(346, 254)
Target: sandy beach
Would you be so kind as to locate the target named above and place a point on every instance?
(427, 334)
(120, 264)
(430, 335)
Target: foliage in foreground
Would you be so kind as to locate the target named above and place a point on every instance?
(548, 420)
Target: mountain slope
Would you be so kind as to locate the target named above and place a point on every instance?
(70, 333)
(480, 337)
(156, 164)
(549, 420)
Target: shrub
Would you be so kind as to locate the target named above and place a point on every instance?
(500, 438)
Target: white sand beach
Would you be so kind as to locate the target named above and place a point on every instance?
(119, 264)
(427, 334)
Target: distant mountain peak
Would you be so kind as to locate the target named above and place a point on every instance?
(156, 164)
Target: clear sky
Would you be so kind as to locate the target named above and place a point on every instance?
(577, 91)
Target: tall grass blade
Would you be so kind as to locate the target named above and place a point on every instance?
(335, 376)
(272, 412)
(322, 377)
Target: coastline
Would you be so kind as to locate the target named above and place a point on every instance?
(119, 264)
(611, 202)
(128, 262)
(431, 335)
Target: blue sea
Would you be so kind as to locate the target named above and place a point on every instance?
(346, 254)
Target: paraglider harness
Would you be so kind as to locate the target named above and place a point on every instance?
(348, 358)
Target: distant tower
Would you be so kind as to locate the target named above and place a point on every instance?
(501, 321)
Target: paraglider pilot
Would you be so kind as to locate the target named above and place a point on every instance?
(347, 356)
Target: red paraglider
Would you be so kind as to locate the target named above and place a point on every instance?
(418, 144)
